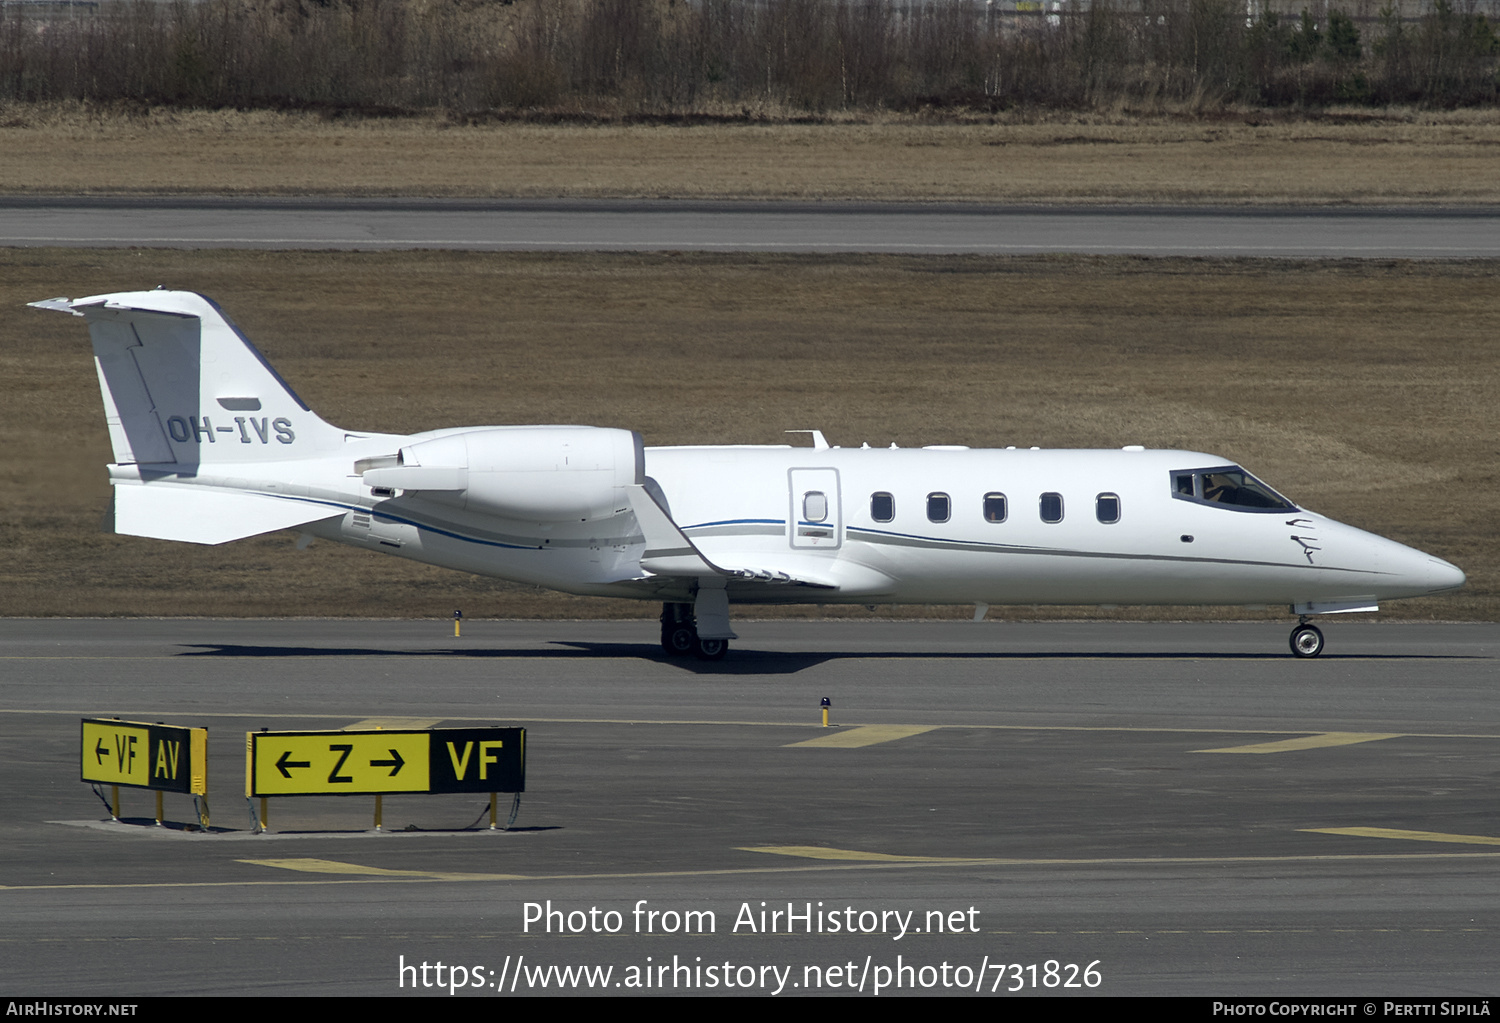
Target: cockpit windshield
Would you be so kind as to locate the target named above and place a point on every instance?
(1227, 486)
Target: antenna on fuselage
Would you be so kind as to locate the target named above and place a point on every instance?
(819, 442)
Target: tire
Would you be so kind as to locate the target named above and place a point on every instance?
(712, 649)
(1307, 641)
(679, 640)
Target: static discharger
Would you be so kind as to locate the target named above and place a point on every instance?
(379, 762)
(135, 754)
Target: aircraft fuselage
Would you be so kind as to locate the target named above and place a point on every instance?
(914, 525)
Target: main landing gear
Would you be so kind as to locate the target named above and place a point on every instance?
(679, 635)
(1307, 640)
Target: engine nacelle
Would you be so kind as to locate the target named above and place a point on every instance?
(532, 473)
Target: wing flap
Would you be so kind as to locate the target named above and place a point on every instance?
(847, 577)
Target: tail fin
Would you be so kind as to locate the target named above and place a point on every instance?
(183, 386)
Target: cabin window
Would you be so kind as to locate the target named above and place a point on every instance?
(815, 506)
(939, 507)
(994, 507)
(1107, 508)
(1052, 507)
(882, 507)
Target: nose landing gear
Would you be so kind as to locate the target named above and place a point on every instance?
(1307, 640)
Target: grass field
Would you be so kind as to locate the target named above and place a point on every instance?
(1396, 156)
(1363, 389)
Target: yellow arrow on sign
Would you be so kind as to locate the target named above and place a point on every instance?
(290, 764)
(116, 754)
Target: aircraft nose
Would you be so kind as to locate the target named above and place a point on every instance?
(1440, 575)
(1421, 573)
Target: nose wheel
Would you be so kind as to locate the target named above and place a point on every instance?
(1307, 640)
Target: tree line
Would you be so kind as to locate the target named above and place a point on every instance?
(651, 58)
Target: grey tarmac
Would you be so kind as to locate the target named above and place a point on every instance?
(1185, 808)
(574, 225)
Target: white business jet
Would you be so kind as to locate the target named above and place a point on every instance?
(211, 445)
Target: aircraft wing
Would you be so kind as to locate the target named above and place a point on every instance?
(669, 552)
(845, 577)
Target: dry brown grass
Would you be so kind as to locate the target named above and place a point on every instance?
(1366, 390)
(1245, 157)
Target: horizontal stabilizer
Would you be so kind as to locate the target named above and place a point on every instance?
(163, 511)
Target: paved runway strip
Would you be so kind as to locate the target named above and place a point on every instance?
(1417, 232)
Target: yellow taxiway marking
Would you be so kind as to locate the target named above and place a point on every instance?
(1306, 742)
(310, 865)
(142, 715)
(1411, 836)
(864, 735)
(316, 866)
(654, 875)
(393, 724)
(818, 852)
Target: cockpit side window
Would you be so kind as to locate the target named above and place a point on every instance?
(1227, 486)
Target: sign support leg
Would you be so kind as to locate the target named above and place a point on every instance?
(114, 802)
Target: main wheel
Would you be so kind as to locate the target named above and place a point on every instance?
(679, 640)
(1307, 641)
(712, 649)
